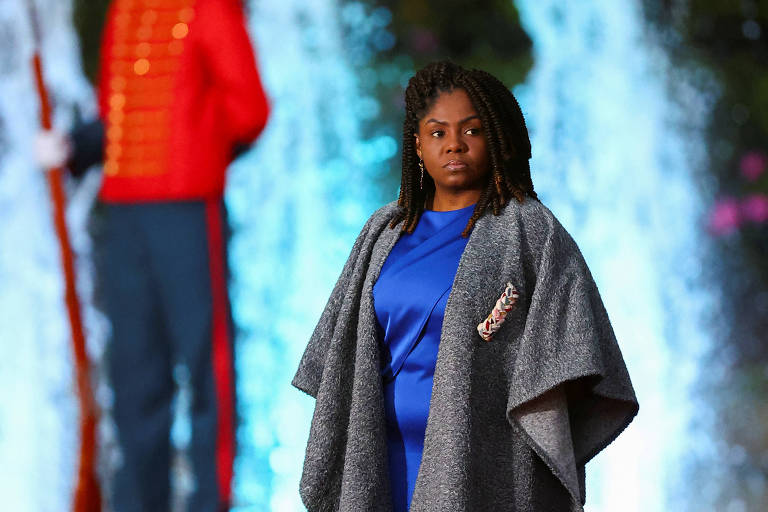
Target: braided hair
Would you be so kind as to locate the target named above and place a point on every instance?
(509, 148)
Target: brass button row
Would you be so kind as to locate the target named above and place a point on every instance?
(145, 56)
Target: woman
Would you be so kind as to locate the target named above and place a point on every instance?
(464, 360)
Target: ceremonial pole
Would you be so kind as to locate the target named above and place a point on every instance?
(87, 496)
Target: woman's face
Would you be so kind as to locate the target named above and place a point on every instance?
(452, 144)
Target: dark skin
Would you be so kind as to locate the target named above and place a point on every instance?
(452, 144)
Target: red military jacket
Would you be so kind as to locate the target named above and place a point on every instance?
(178, 90)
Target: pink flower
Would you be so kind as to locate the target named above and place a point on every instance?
(753, 164)
(755, 208)
(725, 216)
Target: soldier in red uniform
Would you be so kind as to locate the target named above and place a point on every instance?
(179, 93)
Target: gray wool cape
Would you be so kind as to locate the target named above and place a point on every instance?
(512, 421)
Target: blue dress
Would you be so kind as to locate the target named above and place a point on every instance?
(409, 298)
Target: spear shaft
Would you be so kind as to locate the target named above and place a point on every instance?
(87, 496)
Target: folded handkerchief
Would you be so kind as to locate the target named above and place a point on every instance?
(488, 327)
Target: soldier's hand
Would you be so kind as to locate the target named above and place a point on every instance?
(52, 149)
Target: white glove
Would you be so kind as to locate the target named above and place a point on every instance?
(52, 149)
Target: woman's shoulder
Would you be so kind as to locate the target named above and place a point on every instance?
(531, 214)
(536, 223)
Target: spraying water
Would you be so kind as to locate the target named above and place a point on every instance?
(296, 204)
(611, 160)
(38, 409)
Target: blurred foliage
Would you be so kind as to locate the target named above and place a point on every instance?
(485, 34)
(730, 40)
(89, 18)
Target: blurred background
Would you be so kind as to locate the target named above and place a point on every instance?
(649, 126)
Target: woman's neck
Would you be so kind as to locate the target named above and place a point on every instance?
(443, 202)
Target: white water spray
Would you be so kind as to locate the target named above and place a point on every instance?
(611, 160)
(296, 204)
(38, 407)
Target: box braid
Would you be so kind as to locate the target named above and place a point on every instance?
(509, 148)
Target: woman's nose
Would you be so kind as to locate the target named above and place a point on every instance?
(454, 144)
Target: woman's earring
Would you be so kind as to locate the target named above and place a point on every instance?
(421, 179)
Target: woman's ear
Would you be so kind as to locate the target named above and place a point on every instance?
(418, 145)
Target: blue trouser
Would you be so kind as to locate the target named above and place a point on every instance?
(154, 269)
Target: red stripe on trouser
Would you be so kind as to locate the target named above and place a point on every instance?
(222, 352)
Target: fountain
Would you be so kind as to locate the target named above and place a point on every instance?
(614, 151)
(38, 408)
(609, 158)
(296, 203)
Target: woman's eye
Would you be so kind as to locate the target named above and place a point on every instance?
(437, 133)
(472, 131)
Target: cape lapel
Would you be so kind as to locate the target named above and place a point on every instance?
(365, 481)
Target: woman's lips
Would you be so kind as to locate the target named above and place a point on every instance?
(455, 165)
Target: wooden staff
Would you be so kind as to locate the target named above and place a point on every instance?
(87, 496)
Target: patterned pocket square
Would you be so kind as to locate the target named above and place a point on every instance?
(488, 327)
